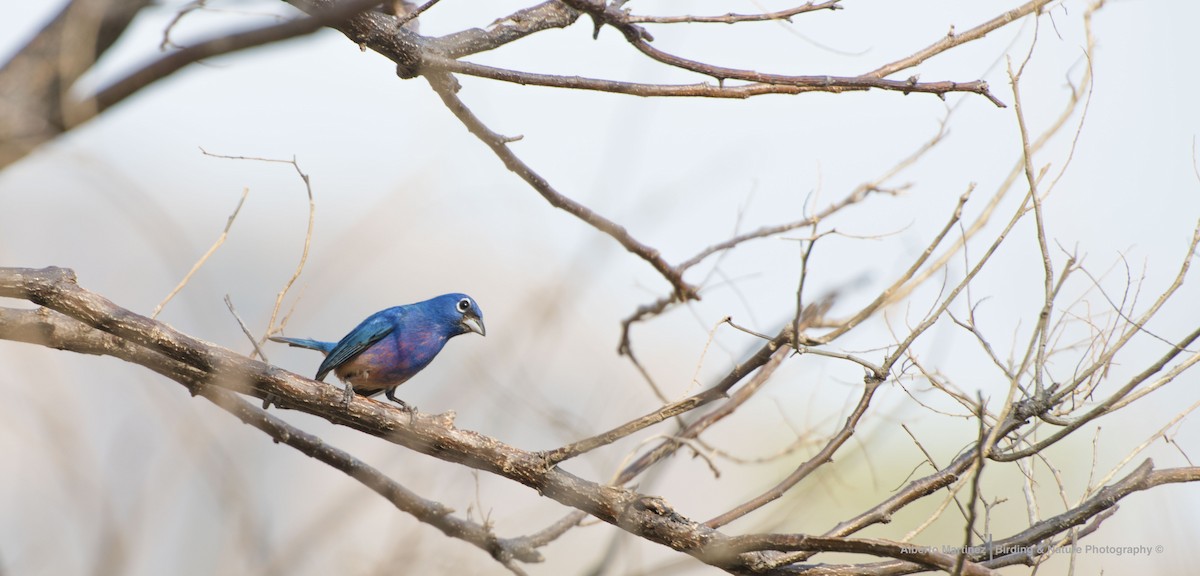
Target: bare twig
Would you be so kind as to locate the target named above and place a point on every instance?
(336, 13)
(412, 14)
(245, 330)
(444, 86)
(731, 18)
(1040, 227)
(819, 459)
(175, 20)
(211, 249)
(697, 400)
(951, 39)
(976, 475)
(771, 357)
(756, 85)
(886, 296)
(308, 234)
(312, 211)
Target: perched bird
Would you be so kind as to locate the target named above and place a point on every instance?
(392, 345)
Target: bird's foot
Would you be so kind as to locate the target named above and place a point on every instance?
(391, 395)
(347, 395)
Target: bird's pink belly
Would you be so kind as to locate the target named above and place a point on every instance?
(385, 365)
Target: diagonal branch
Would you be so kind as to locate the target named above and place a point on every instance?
(801, 472)
(706, 396)
(924, 557)
(1109, 404)
(731, 18)
(45, 328)
(34, 83)
(818, 83)
(158, 69)
(38, 106)
(191, 361)
(610, 14)
(445, 87)
(216, 372)
(951, 39)
(439, 63)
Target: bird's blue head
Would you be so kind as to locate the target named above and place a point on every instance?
(460, 311)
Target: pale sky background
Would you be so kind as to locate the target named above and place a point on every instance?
(410, 205)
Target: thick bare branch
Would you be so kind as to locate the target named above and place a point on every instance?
(922, 556)
(34, 83)
(53, 330)
(194, 362)
(212, 371)
(545, 16)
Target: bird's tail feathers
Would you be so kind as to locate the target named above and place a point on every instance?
(305, 343)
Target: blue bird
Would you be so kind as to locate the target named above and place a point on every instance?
(392, 345)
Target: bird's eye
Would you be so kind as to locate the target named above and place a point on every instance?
(464, 305)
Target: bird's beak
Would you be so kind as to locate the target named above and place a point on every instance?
(474, 325)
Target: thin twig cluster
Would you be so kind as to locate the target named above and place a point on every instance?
(1038, 412)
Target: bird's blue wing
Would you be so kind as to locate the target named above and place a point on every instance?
(372, 330)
